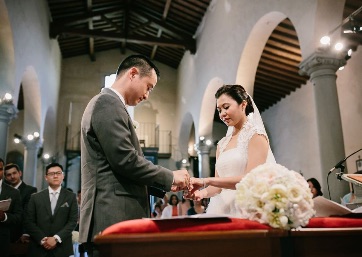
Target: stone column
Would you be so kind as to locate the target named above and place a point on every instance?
(322, 67)
(203, 152)
(8, 112)
(31, 160)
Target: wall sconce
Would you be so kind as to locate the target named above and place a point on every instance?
(46, 158)
(349, 26)
(202, 140)
(353, 26)
(6, 99)
(30, 137)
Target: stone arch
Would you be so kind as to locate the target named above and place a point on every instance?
(254, 47)
(187, 128)
(32, 101)
(208, 107)
(49, 133)
(7, 64)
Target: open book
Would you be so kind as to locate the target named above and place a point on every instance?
(5, 204)
(326, 208)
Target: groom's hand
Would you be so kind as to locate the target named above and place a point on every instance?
(195, 185)
(181, 180)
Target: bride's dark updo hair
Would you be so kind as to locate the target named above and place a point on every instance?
(237, 93)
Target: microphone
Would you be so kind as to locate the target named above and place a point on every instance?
(340, 165)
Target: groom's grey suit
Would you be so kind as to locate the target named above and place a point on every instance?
(115, 174)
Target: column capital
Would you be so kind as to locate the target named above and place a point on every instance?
(321, 63)
(8, 112)
(202, 147)
(32, 144)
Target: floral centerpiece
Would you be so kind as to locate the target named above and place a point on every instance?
(271, 194)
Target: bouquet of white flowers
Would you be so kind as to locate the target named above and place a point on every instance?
(273, 195)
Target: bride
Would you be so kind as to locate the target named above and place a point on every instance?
(245, 146)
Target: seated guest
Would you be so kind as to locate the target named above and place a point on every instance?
(10, 218)
(184, 206)
(157, 212)
(197, 208)
(171, 210)
(13, 176)
(315, 187)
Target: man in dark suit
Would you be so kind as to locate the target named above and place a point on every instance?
(51, 217)
(13, 178)
(11, 217)
(115, 174)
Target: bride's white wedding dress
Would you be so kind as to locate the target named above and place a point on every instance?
(232, 162)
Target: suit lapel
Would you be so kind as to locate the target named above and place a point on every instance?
(5, 192)
(110, 91)
(138, 146)
(46, 198)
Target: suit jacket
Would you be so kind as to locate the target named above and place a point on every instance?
(40, 222)
(115, 174)
(25, 192)
(14, 215)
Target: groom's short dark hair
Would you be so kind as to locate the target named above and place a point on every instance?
(143, 63)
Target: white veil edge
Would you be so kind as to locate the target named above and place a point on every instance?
(258, 122)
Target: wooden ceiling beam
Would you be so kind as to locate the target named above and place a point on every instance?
(282, 45)
(91, 39)
(126, 22)
(289, 68)
(82, 18)
(276, 84)
(119, 37)
(283, 53)
(276, 87)
(159, 33)
(279, 59)
(110, 22)
(294, 76)
(277, 77)
(280, 73)
(160, 24)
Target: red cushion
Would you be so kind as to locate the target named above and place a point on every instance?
(334, 222)
(217, 224)
(182, 225)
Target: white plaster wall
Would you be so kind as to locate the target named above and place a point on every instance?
(292, 129)
(83, 79)
(33, 48)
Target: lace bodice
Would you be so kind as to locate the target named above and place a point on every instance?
(232, 162)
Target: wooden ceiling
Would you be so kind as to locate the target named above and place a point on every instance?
(160, 29)
(165, 29)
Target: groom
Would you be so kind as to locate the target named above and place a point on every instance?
(116, 177)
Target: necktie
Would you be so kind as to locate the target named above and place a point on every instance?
(53, 201)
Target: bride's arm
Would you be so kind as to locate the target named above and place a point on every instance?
(257, 154)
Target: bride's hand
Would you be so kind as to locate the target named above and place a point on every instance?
(199, 195)
(194, 192)
(196, 195)
(197, 182)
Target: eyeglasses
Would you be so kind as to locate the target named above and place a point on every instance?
(52, 174)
